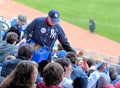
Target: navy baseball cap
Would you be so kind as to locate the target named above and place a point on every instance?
(54, 15)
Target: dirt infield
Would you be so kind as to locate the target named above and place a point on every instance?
(78, 37)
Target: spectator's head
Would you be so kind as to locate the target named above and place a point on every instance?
(24, 75)
(53, 74)
(91, 19)
(80, 82)
(91, 62)
(72, 57)
(113, 72)
(25, 51)
(101, 65)
(79, 61)
(11, 38)
(61, 53)
(103, 81)
(53, 17)
(66, 64)
(22, 19)
(14, 29)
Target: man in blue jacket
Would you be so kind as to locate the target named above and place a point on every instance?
(45, 29)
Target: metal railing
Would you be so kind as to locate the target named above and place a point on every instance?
(99, 56)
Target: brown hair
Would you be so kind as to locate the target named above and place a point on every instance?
(11, 37)
(52, 74)
(21, 76)
(72, 57)
(25, 50)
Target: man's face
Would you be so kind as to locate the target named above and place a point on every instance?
(20, 23)
(50, 22)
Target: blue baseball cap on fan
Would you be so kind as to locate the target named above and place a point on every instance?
(54, 15)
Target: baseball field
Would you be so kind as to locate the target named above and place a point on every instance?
(78, 12)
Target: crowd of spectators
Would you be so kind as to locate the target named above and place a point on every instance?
(65, 69)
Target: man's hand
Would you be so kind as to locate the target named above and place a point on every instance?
(84, 64)
(21, 42)
(79, 53)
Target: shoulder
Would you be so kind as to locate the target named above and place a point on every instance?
(10, 62)
(67, 83)
(67, 80)
(58, 26)
(40, 18)
(8, 66)
(3, 43)
(15, 18)
(15, 47)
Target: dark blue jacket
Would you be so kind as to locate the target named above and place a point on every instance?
(92, 25)
(8, 66)
(44, 34)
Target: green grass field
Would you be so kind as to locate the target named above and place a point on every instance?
(106, 13)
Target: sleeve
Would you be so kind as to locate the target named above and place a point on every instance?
(13, 21)
(92, 80)
(64, 41)
(14, 51)
(29, 28)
